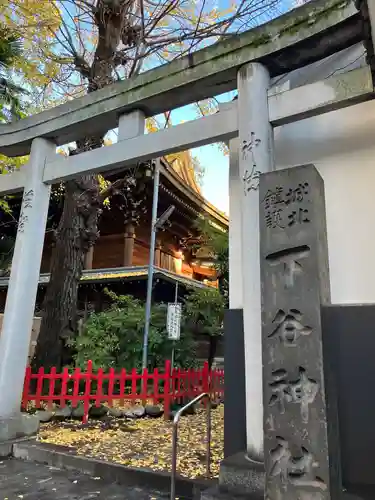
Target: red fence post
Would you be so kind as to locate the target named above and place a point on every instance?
(178, 393)
(99, 389)
(168, 397)
(26, 388)
(155, 394)
(39, 387)
(51, 389)
(122, 386)
(111, 384)
(76, 379)
(64, 386)
(134, 378)
(86, 397)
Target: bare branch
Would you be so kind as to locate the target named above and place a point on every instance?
(142, 19)
(199, 20)
(66, 32)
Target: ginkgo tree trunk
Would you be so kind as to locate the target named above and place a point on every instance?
(78, 227)
(96, 43)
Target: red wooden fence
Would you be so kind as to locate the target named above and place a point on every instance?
(91, 388)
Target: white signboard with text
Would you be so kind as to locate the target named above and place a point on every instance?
(174, 321)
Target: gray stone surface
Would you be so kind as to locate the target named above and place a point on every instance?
(78, 412)
(62, 413)
(18, 426)
(44, 416)
(115, 412)
(98, 411)
(135, 412)
(62, 457)
(32, 481)
(301, 438)
(154, 411)
(217, 494)
(6, 449)
(239, 475)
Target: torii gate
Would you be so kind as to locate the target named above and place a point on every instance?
(246, 62)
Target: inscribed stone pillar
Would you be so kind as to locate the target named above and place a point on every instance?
(301, 435)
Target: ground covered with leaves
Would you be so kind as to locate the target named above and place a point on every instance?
(145, 442)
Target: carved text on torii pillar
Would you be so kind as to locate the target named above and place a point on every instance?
(27, 203)
(251, 174)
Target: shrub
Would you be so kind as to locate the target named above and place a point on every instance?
(114, 338)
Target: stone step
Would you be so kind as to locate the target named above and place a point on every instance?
(240, 475)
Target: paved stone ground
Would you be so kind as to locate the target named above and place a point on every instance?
(31, 481)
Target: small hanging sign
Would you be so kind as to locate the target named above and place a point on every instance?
(174, 321)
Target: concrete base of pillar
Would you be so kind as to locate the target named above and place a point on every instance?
(6, 449)
(216, 494)
(18, 426)
(240, 475)
(239, 478)
(243, 479)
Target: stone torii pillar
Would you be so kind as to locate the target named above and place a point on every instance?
(21, 296)
(255, 157)
(234, 356)
(235, 228)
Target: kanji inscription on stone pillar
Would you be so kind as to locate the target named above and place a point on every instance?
(300, 430)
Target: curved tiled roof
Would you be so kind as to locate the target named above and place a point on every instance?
(190, 188)
(184, 167)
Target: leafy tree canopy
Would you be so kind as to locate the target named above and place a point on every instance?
(204, 311)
